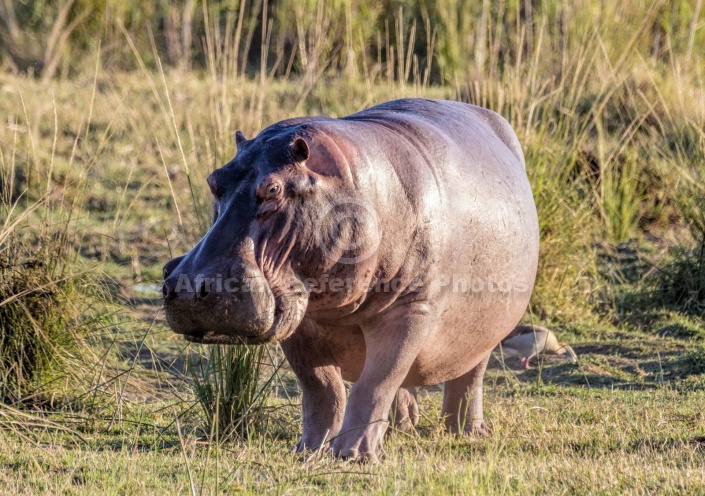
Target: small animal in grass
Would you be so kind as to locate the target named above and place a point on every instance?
(526, 341)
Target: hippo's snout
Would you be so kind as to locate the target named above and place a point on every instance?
(233, 306)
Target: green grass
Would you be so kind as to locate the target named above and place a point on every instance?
(231, 389)
(547, 439)
(51, 306)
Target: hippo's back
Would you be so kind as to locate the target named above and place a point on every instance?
(456, 119)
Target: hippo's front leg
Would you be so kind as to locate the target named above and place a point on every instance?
(323, 388)
(393, 341)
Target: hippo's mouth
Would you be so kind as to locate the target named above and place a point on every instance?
(212, 338)
(288, 313)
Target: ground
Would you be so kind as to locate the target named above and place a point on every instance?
(546, 440)
(626, 419)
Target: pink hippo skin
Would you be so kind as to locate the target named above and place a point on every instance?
(392, 248)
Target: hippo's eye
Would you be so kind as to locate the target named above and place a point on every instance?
(268, 189)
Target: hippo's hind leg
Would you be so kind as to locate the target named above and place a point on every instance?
(462, 402)
(323, 389)
(405, 410)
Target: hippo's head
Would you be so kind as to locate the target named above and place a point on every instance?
(245, 280)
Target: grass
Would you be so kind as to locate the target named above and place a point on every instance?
(50, 307)
(547, 439)
(113, 154)
(232, 391)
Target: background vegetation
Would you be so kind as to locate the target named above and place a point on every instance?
(113, 113)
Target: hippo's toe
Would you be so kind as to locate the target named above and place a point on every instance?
(478, 428)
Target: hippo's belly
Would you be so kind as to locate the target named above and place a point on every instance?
(460, 341)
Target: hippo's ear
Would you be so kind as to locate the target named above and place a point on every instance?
(239, 138)
(300, 150)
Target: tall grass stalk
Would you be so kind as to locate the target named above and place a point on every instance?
(231, 388)
(619, 199)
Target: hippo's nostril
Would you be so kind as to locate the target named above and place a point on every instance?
(168, 292)
(203, 290)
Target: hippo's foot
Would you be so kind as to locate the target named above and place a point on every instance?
(478, 428)
(320, 427)
(317, 436)
(312, 442)
(404, 415)
(361, 444)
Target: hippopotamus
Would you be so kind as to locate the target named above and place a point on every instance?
(392, 248)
